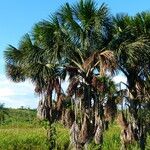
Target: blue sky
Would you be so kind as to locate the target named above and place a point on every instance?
(17, 17)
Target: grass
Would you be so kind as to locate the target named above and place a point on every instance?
(112, 138)
(62, 137)
(23, 139)
(20, 130)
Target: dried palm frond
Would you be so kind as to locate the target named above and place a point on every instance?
(85, 130)
(104, 59)
(57, 85)
(59, 106)
(80, 92)
(126, 136)
(72, 71)
(38, 89)
(72, 86)
(122, 121)
(94, 81)
(74, 133)
(107, 62)
(98, 84)
(59, 102)
(69, 117)
(110, 110)
(63, 117)
(98, 137)
(41, 110)
(89, 62)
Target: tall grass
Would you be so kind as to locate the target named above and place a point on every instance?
(22, 131)
(23, 139)
(62, 137)
(112, 138)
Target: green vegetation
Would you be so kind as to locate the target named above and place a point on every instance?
(23, 138)
(21, 130)
(86, 44)
(18, 117)
(18, 132)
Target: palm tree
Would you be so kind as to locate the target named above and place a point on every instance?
(88, 26)
(73, 42)
(29, 62)
(89, 32)
(131, 44)
(132, 47)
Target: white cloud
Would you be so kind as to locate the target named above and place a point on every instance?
(22, 94)
(6, 92)
(8, 87)
(17, 94)
(17, 102)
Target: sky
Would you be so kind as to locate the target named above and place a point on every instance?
(18, 17)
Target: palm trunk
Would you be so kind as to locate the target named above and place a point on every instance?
(98, 137)
(50, 118)
(49, 107)
(138, 129)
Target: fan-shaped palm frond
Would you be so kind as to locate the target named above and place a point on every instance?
(14, 62)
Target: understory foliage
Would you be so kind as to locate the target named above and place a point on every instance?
(85, 44)
(17, 132)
